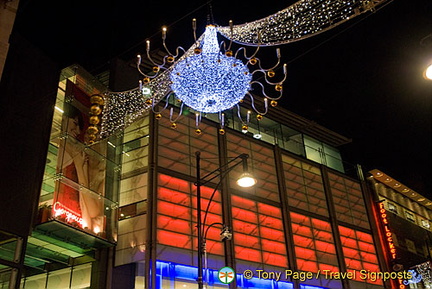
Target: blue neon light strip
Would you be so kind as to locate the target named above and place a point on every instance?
(173, 271)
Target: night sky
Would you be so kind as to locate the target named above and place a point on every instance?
(362, 79)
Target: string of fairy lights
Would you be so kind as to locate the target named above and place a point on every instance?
(182, 75)
(298, 21)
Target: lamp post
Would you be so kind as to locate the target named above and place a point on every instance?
(245, 180)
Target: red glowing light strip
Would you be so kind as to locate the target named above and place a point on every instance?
(388, 236)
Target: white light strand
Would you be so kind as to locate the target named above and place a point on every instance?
(298, 21)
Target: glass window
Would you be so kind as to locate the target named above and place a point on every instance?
(304, 185)
(176, 219)
(323, 154)
(314, 246)
(392, 208)
(425, 224)
(258, 232)
(261, 164)
(348, 200)
(410, 216)
(359, 252)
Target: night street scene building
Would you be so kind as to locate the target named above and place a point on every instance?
(405, 218)
(104, 188)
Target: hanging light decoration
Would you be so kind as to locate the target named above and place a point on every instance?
(210, 81)
(211, 78)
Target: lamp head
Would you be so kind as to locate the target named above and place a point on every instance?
(246, 180)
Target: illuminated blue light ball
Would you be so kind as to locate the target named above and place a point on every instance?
(210, 81)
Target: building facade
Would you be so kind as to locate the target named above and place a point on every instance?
(121, 212)
(405, 218)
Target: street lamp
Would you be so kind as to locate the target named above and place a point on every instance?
(245, 180)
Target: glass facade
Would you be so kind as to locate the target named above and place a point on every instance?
(135, 192)
(77, 216)
(258, 216)
(80, 186)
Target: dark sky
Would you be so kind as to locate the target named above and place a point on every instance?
(362, 79)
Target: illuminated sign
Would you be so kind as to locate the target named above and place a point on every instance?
(70, 216)
(388, 234)
(389, 237)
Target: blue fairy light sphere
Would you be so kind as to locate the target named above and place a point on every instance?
(210, 81)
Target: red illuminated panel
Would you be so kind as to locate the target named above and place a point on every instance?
(365, 237)
(272, 246)
(243, 203)
(244, 215)
(321, 235)
(248, 254)
(322, 225)
(305, 253)
(215, 207)
(210, 219)
(344, 231)
(366, 247)
(371, 267)
(212, 233)
(302, 230)
(308, 266)
(328, 267)
(303, 241)
(359, 252)
(313, 242)
(353, 264)
(246, 228)
(174, 239)
(325, 247)
(348, 242)
(351, 253)
(275, 259)
(215, 247)
(174, 196)
(174, 183)
(272, 234)
(258, 226)
(175, 203)
(247, 241)
(269, 210)
(300, 219)
(270, 222)
(207, 192)
(173, 210)
(369, 257)
(171, 224)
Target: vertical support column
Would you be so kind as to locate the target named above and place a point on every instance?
(99, 270)
(286, 218)
(334, 225)
(15, 277)
(150, 254)
(199, 223)
(226, 207)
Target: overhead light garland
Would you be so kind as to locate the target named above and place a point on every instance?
(301, 20)
(219, 76)
(208, 78)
